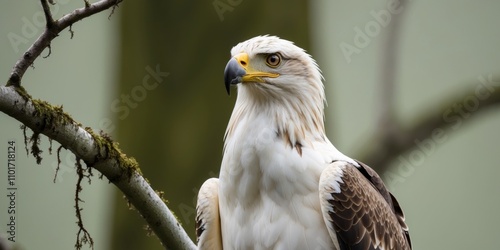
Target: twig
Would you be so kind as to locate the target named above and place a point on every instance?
(58, 162)
(86, 238)
(96, 151)
(101, 154)
(54, 27)
(48, 16)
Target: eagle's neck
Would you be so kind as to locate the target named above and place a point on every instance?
(270, 171)
(296, 119)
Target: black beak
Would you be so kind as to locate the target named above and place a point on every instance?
(233, 74)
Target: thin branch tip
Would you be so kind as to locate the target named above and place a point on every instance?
(113, 9)
(95, 151)
(49, 52)
(71, 32)
(53, 28)
(48, 14)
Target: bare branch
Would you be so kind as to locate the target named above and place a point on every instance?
(100, 153)
(458, 111)
(54, 27)
(48, 15)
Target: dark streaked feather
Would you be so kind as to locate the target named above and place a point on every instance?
(364, 215)
(200, 225)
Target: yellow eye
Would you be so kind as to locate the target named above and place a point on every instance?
(273, 60)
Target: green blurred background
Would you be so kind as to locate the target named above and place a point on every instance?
(173, 121)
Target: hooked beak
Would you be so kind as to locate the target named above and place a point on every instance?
(233, 74)
(239, 70)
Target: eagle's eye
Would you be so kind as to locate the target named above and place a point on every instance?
(273, 60)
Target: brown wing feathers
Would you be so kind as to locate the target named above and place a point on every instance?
(365, 215)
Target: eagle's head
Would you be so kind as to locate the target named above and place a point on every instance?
(274, 67)
(276, 77)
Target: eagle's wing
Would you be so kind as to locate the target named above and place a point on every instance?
(358, 210)
(207, 216)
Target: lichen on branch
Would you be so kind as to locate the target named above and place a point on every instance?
(96, 151)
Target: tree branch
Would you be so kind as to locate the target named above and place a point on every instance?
(459, 110)
(100, 153)
(392, 140)
(53, 28)
(97, 151)
(48, 15)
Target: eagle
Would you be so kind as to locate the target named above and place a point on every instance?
(282, 183)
